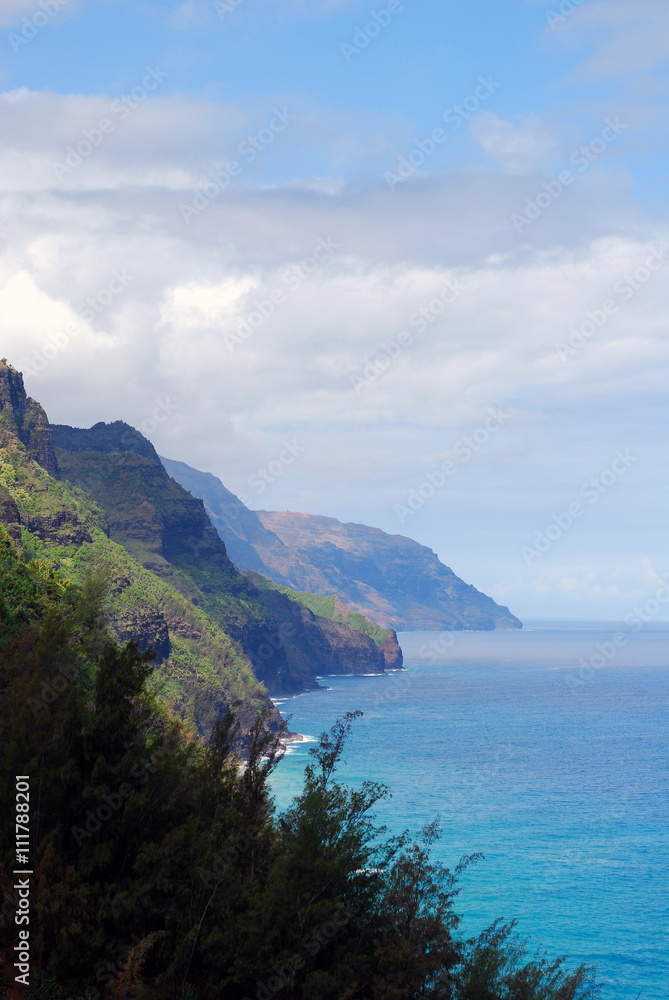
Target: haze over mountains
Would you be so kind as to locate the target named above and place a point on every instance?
(392, 579)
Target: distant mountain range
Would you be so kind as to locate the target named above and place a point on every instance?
(392, 579)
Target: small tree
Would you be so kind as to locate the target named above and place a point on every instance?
(416, 952)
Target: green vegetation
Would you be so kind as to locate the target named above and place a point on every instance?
(161, 869)
(202, 670)
(328, 607)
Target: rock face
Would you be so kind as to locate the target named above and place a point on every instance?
(26, 418)
(248, 543)
(147, 512)
(10, 516)
(63, 527)
(389, 578)
(392, 579)
(146, 626)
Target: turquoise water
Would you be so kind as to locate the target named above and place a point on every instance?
(545, 751)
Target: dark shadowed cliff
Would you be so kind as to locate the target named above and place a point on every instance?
(26, 419)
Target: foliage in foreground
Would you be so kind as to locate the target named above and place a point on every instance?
(161, 870)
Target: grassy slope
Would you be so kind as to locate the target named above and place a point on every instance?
(205, 670)
(329, 607)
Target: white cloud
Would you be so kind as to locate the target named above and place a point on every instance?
(518, 148)
(631, 38)
(36, 328)
(79, 143)
(597, 586)
(162, 334)
(197, 306)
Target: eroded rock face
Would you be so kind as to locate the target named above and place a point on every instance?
(144, 625)
(392, 653)
(26, 418)
(62, 527)
(9, 516)
(391, 579)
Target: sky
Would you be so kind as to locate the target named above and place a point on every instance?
(401, 263)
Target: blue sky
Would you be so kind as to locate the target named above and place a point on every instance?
(294, 48)
(366, 278)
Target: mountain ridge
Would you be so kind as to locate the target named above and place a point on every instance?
(391, 579)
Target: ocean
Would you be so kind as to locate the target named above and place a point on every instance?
(547, 750)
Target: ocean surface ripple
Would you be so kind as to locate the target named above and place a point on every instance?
(548, 751)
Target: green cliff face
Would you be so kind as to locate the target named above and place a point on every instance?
(334, 609)
(98, 503)
(201, 670)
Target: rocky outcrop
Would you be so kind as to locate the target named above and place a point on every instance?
(10, 516)
(145, 625)
(26, 419)
(146, 511)
(392, 652)
(389, 578)
(63, 527)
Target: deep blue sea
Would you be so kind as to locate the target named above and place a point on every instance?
(546, 749)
